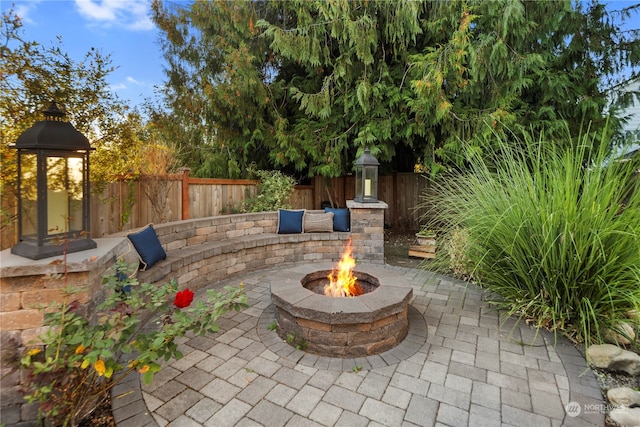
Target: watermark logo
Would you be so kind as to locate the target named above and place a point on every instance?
(597, 408)
(573, 409)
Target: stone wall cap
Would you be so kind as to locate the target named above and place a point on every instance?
(377, 205)
(12, 265)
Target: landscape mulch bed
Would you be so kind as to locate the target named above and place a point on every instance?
(102, 416)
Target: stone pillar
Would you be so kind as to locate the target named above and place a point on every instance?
(367, 231)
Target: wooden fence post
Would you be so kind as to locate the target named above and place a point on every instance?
(396, 203)
(185, 192)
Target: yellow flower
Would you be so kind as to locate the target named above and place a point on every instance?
(100, 367)
(144, 369)
(79, 349)
(33, 351)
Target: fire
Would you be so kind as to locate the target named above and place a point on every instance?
(342, 282)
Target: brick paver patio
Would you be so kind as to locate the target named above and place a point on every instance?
(460, 365)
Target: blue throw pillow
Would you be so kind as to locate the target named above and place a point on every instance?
(148, 246)
(290, 222)
(341, 219)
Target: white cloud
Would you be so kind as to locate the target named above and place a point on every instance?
(128, 14)
(96, 11)
(134, 81)
(126, 84)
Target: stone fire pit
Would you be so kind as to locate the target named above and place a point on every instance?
(343, 327)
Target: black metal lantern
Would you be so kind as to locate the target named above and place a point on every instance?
(366, 178)
(53, 188)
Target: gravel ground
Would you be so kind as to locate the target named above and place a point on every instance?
(396, 248)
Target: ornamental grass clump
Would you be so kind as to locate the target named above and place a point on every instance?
(555, 232)
(79, 360)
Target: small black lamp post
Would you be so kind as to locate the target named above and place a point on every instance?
(53, 188)
(366, 178)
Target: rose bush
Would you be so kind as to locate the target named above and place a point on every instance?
(80, 359)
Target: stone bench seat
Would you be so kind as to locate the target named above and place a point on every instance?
(205, 250)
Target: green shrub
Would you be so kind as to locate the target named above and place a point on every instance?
(273, 192)
(557, 237)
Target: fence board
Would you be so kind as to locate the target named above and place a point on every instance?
(386, 194)
(412, 187)
(302, 197)
(216, 199)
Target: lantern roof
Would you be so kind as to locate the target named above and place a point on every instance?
(367, 159)
(53, 133)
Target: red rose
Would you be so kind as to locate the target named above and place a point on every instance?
(183, 299)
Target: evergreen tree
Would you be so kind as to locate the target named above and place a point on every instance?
(305, 85)
(512, 67)
(219, 98)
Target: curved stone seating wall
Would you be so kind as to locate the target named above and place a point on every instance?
(202, 251)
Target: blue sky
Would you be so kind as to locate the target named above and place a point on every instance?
(121, 28)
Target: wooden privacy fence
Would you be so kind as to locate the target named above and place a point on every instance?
(126, 205)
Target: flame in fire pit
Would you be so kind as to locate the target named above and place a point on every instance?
(342, 282)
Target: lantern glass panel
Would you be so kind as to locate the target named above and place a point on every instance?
(29, 196)
(76, 167)
(64, 194)
(370, 182)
